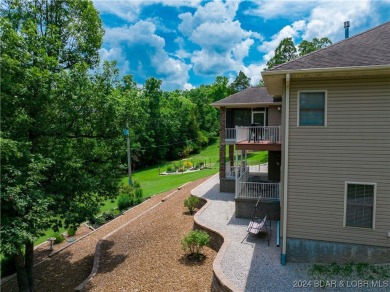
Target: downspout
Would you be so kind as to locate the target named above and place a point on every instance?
(285, 170)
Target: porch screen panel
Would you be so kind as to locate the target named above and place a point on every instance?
(312, 109)
(242, 117)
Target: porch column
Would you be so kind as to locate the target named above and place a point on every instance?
(231, 155)
(222, 145)
(242, 160)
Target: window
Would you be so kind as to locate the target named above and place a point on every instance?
(312, 108)
(360, 205)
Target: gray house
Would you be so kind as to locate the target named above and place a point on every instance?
(333, 185)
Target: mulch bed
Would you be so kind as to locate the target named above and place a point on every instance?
(145, 255)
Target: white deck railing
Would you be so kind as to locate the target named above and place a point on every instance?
(271, 134)
(257, 189)
(230, 134)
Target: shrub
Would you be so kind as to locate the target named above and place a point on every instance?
(136, 184)
(99, 220)
(171, 168)
(108, 215)
(188, 164)
(59, 238)
(71, 231)
(124, 202)
(138, 193)
(194, 242)
(191, 202)
(138, 201)
(125, 189)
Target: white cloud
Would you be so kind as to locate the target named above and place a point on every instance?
(188, 86)
(213, 12)
(253, 71)
(181, 52)
(294, 31)
(281, 8)
(220, 36)
(130, 9)
(212, 63)
(327, 19)
(241, 50)
(223, 43)
(174, 71)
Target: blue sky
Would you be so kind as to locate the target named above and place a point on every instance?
(189, 42)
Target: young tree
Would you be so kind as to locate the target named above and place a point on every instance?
(240, 83)
(306, 47)
(284, 52)
(59, 123)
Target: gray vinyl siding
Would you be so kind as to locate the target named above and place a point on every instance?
(274, 117)
(353, 147)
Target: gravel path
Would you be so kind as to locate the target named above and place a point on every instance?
(257, 268)
(69, 268)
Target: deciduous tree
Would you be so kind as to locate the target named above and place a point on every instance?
(59, 136)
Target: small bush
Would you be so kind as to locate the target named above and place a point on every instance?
(124, 202)
(194, 242)
(99, 220)
(71, 231)
(138, 193)
(188, 164)
(170, 168)
(109, 215)
(136, 184)
(191, 203)
(59, 238)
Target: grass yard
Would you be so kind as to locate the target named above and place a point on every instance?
(152, 183)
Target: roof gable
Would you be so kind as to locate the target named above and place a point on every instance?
(250, 96)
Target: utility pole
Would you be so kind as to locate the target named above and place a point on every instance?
(126, 133)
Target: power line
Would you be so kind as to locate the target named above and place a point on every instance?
(182, 142)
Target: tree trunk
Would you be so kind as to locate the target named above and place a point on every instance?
(29, 262)
(21, 272)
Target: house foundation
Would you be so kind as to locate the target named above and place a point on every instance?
(316, 251)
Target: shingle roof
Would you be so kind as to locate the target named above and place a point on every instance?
(251, 95)
(366, 49)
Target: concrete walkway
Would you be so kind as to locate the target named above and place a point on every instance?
(251, 265)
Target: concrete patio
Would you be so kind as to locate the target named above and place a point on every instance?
(251, 265)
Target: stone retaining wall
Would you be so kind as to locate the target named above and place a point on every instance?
(219, 243)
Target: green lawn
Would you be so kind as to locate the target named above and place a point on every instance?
(153, 183)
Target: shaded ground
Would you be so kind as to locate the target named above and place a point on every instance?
(132, 251)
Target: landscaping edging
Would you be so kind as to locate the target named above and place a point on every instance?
(219, 242)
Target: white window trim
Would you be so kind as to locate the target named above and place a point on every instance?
(345, 203)
(258, 112)
(325, 111)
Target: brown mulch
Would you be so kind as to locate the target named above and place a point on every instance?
(42, 252)
(145, 255)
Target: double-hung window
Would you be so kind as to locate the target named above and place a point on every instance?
(360, 204)
(312, 108)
